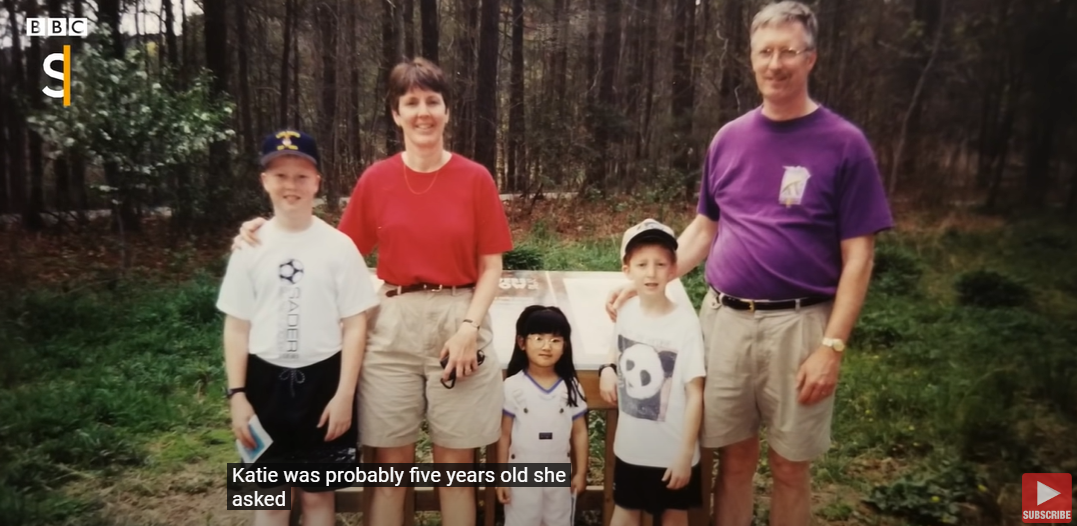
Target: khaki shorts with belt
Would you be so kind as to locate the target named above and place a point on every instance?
(400, 380)
(752, 363)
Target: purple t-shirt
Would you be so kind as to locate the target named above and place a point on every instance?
(786, 194)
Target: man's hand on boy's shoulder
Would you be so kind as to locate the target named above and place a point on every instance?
(617, 297)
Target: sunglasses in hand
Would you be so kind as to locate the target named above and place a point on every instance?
(452, 376)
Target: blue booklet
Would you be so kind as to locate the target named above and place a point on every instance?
(262, 441)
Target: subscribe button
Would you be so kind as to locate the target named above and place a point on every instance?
(1046, 498)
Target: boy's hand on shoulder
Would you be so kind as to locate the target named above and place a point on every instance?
(338, 414)
(679, 474)
(242, 413)
(504, 496)
(579, 483)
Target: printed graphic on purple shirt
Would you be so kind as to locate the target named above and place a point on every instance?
(786, 194)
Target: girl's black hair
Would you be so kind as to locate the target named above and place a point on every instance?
(539, 319)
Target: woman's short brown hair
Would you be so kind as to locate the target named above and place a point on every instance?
(416, 73)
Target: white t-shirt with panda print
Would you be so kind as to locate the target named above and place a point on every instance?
(295, 288)
(656, 358)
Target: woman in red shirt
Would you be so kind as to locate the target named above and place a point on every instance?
(437, 221)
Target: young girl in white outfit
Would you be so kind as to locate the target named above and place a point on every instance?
(544, 418)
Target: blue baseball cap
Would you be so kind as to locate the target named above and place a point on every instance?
(289, 142)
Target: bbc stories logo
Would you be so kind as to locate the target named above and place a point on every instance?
(58, 27)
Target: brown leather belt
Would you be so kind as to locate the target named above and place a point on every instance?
(420, 287)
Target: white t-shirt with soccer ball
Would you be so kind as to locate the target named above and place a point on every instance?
(656, 358)
(295, 288)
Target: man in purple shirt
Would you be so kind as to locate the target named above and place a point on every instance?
(799, 199)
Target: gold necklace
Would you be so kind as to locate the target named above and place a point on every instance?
(436, 174)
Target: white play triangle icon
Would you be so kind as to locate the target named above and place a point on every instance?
(1044, 493)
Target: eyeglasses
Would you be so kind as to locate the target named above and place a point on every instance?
(541, 341)
(784, 54)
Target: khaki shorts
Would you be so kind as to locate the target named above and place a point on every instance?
(400, 380)
(752, 363)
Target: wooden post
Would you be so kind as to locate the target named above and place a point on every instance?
(489, 497)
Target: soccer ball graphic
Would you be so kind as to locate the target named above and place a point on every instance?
(642, 370)
(291, 271)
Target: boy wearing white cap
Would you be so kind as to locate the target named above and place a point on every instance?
(655, 376)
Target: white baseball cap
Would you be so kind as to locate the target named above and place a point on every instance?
(651, 230)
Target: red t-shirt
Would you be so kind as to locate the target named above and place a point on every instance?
(435, 236)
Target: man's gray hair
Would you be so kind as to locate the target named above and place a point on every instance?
(785, 12)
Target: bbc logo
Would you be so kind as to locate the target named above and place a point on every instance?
(57, 27)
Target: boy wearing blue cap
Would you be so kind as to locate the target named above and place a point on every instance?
(295, 328)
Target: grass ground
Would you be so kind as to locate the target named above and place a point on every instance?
(962, 373)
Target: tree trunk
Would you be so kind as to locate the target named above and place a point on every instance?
(590, 61)
(171, 50)
(289, 27)
(684, 94)
(354, 121)
(78, 163)
(327, 22)
(390, 52)
(409, 28)
(464, 130)
(186, 63)
(486, 87)
(428, 9)
(733, 39)
(517, 138)
(297, 115)
(4, 90)
(61, 171)
(249, 141)
(637, 26)
(16, 116)
(1046, 54)
(108, 12)
(216, 42)
(650, 38)
(895, 167)
(606, 103)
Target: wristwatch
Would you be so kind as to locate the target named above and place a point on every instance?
(232, 391)
(834, 343)
(609, 365)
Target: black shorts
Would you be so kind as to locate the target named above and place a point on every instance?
(641, 488)
(289, 403)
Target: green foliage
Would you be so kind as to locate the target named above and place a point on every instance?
(897, 271)
(990, 289)
(523, 257)
(122, 117)
(135, 362)
(933, 497)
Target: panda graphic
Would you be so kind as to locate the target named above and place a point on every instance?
(646, 378)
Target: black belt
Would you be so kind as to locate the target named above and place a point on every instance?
(419, 287)
(754, 305)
